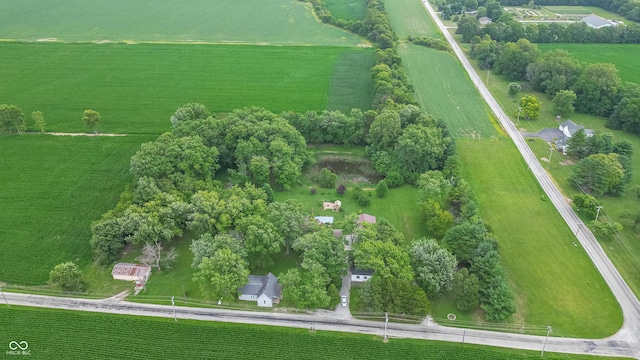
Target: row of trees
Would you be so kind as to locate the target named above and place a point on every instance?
(13, 120)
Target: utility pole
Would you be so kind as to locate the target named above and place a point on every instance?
(5, 298)
(550, 154)
(464, 332)
(488, 71)
(598, 213)
(518, 120)
(386, 320)
(173, 305)
(545, 340)
(579, 226)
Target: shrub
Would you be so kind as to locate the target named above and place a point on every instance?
(312, 191)
(394, 179)
(356, 192)
(327, 179)
(514, 89)
(382, 189)
(341, 189)
(68, 276)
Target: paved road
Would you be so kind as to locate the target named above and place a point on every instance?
(331, 321)
(630, 330)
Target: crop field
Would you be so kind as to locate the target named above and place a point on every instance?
(347, 9)
(62, 80)
(556, 281)
(624, 56)
(444, 90)
(58, 334)
(51, 188)
(569, 10)
(407, 18)
(282, 22)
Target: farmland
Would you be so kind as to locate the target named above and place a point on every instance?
(52, 187)
(62, 80)
(347, 9)
(407, 18)
(65, 334)
(623, 56)
(281, 22)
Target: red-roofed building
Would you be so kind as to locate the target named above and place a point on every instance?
(366, 218)
(131, 272)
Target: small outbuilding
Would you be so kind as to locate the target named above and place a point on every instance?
(366, 218)
(360, 275)
(324, 220)
(263, 289)
(485, 20)
(131, 272)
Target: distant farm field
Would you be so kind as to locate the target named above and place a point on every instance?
(136, 88)
(624, 56)
(347, 9)
(407, 18)
(245, 21)
(57, 334)
(445, 91)
(51, 189)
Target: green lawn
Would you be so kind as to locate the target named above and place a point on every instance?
(408, 18)
(59, 334)
(624, 56)
(444, 90)
(555, 280)
(347, 9)
(51, 189)
(282, 22)
(136, 88)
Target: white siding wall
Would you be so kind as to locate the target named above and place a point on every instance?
(265, 301)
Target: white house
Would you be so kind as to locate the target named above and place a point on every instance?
(264, 290)
(358, 275)
(567, 129)
(131, 272)
(485, 21)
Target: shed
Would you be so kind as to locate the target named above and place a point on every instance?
(263, 289)
(131, 272)
(485, 20)
(366, 218)
(324, 219)
(360, 275)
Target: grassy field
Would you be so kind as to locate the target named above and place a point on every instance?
(282, 22)
(62, 80)
(347, 9)
(57, 334)
(407, 18)
(51, 188)
(624, 56)
(444, 90)
(556, 281)
(584, 11)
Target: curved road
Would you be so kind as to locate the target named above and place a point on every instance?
(332, 321)
(630, 330)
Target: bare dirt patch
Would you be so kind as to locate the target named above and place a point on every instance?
(567, 162)
(78, 134)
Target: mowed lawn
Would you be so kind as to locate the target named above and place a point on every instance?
(445, 91)
(60, 334)
(51, 189)
(347, 9)
(555, 280)
(408, 18)
(624, 56)
(282, 22)
(136, 88)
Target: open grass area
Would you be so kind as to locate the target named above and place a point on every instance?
(51, 189)
(136, 88)
(282, 22)
(347, 9)
(624, 56)
(59, 334)
(556, 283)
(580, 11)
(445, 91)
(408, 18)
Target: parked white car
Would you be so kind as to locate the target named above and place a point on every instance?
(343, 300)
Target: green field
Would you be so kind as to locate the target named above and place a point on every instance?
(51, 188)
(624, 56)
(57, 334)
(347, 9)
(407, 18)
(136, 88)
(282, 22)
(444, 90)
(581, 11)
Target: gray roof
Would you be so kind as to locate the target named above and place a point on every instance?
(355, 271)
(596, 21)
(262, 284)
(571, 126)
(485, 20)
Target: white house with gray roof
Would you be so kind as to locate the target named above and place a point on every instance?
(598, 22)
(567, 129)
(264, 289)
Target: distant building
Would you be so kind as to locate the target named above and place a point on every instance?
(485, 20)
(360, 275)
(264, 290)
(598, 22)
(131, 272)
(366, 218)
(323, 220)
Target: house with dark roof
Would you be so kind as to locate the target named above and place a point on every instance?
(360, 275)
(264, 289)
(597, 22)
(567, 129)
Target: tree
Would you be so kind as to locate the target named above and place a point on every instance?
(341, 189)
(268, 190)
(261, 238)
(514, 58)
(598, 174)
(468, 27)
(577, 145)
(396, 296)
(207, 245)
(421, 148)
(624, 148)
(597, 89)
(463, 238)
(433, 266)
(382, 189)
(152, 255)
(38, 120)
(439, 221)
(259, 168)
(499, 304)
(586, 204)
(384, 258)
(307, 288)
(68, 276)
(327, 179)
(91, 118)
(288, 219)
(324, 248)
(466, 290)
(108, 237)
(604, 230)
(485, 264)
(221, 275)
(385, 130)
(485, 52)
(191, 111)
(554, 71)
(626, 115)
(514, 89)
(530, 107)
(11, 118)
(563, 102)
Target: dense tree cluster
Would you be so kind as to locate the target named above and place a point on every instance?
(434, 43)
(11, 119)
